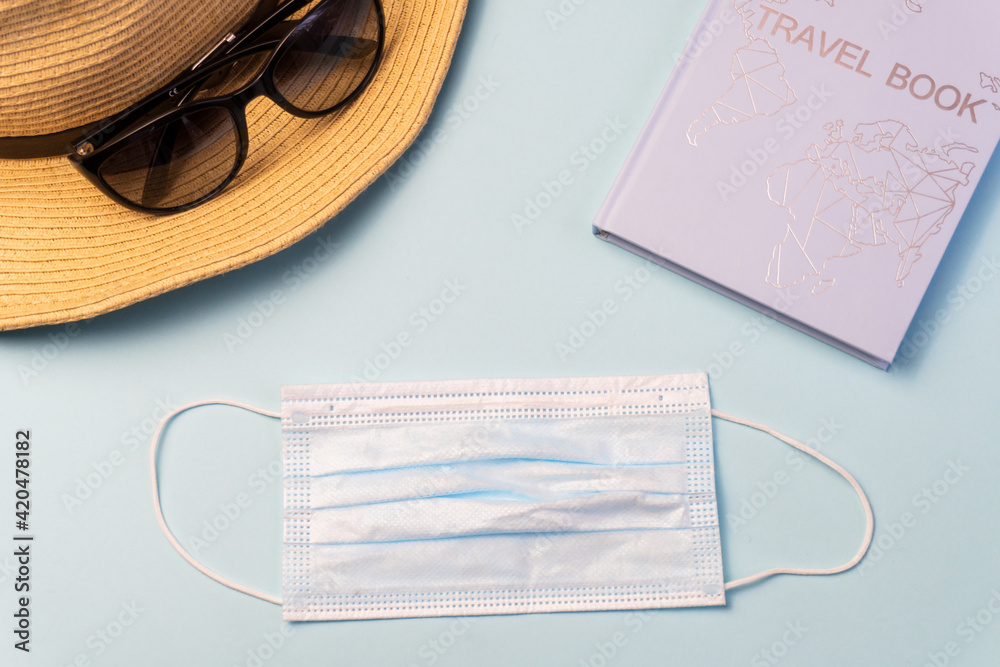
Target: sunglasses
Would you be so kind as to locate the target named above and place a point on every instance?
(184, 144)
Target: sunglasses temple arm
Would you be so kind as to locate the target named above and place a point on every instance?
(267, 24)
(345, 47)
(109, 127)
(168, 139)
(352, 48)
(156, 182)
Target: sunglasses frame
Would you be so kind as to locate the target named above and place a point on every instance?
(95, 148)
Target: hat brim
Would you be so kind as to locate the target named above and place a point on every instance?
(69, 253)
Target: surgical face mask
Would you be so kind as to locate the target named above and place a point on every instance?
(499, 497)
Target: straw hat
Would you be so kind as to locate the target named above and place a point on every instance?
(67, 252)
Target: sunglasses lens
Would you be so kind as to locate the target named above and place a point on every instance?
(178, 163)
(329, 55)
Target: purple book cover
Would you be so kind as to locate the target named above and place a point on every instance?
(812, 159)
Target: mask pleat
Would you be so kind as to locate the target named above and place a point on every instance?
(434, 518)
(539, 480)
(570, 560)
(601, 440)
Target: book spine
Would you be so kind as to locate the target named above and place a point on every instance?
(677, 80)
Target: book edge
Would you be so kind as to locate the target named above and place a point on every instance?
(836, 343)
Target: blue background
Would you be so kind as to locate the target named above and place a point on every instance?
(445, 214)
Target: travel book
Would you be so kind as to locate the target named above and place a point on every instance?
(812, 159)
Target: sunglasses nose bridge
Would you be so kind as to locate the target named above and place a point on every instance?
(243, 98)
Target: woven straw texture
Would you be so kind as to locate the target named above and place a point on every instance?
(69, 253)
(64, 64)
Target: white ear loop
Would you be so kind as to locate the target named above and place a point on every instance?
(869, 516)
(159, 511)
